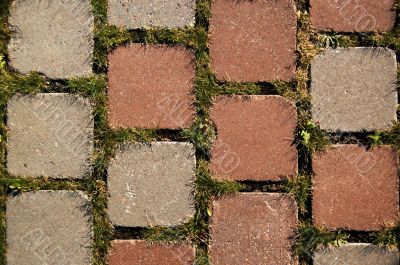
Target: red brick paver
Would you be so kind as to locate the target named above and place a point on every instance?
(253, 228)
(151, 87)
(129, 252)
(253, 40)
(353, 15)
(355, 188)
(254, 138)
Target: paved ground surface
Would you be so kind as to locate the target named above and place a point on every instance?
(199, 132)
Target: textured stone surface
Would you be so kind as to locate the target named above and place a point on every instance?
(353, 15)
(253, 40)
(354, 89)
(253, 228)
(152, 184)
(128, 252)
(254, 138)
(151, 87)
(49, 135)
(48, 227)
(355, 188)
(52, 37)
(357, 254)
(152, 13)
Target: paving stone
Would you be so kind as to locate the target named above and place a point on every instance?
(354, 89)
(254, 138)
(355, 188)
(52, 37)
(253, 228)
(49, 135)
(353, 15)
(127, 252)
(152, 13)
(152, 184)
(253, 40)
(49, 227)
(357, 254)
(151, 87)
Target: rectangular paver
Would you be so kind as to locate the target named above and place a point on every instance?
(52, 37)
(253, 228)
(357, 254)
(354, 89)
(49, 134)
(354, 188)
(254, 138)
(152, 184)
(353, 15)
(49, 227)
(253, 41)
(135, 14)
(151, 86)
(129, 252)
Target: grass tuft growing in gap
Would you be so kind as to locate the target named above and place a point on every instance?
(388, 237)
(311, 238)
(300, 187)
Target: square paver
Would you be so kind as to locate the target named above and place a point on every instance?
(52, 37)
(354, 188)
(357, 254)
(353, 15)
(151, 86)
(49, 135)
(354, 89)
(135, 14)
(253, 41)
(253, 228)
(49, 227)
(152, 184)
(128, 252)
(255, 137)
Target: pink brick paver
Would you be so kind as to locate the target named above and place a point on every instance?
(151, 86)
(355, 188)
(254, 138)
(132, 252)
(353, 15)
(253, 40)
(253, 228)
